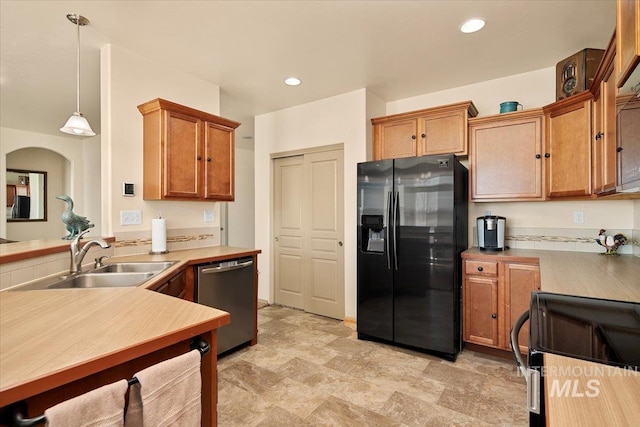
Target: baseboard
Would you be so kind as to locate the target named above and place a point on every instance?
(350, 322)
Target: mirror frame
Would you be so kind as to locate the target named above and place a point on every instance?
(45, 207)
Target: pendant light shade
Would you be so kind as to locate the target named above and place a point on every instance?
(77, 125)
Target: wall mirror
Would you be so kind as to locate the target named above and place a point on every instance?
(26, 195)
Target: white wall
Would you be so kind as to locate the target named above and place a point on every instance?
(240, 220)
(339, 119)
(128, 80)
(533, 90)
(79, 178)
(241, 212)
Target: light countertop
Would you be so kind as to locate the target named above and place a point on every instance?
(56, 335)
(577, 273)
(53, 334)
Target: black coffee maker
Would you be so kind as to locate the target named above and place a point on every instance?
(491, 229)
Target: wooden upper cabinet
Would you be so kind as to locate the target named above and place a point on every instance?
(219, 161)
(604, 124)
(395, 139)
(568, 147)
(627, 39)
(628, 144)
(436, 130)
(505, 156)
(188, 154)
(182, 148)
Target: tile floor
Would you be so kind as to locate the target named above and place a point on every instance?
(309, 370)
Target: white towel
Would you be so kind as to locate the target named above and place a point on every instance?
(167, 394)
(101, 407)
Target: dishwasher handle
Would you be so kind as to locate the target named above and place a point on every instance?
(224, 268)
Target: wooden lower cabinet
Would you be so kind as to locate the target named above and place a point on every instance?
(495, 294)
(481, 310)
(176, 286)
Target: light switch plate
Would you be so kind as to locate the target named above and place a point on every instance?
(209, 216)
(578, 217)
(130, 217)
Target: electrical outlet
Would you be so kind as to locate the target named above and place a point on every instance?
(209, 216)
(578, 217)
(130, 217)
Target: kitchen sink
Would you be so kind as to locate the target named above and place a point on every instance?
(133, 267)
(113, 275)
(102, 280)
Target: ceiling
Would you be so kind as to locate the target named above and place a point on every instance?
(396, 49)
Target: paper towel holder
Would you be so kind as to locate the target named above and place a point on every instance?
(158, 233)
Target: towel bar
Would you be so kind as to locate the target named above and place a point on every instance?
(16, 410)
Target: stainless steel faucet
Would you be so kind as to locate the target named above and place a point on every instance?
(77, 253)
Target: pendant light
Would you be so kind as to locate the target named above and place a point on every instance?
(77, 125)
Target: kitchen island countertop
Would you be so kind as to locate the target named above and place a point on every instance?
(53, 337)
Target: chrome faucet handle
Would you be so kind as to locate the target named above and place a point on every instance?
(76, 240)
(99, 260)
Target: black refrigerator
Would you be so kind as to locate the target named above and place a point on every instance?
(412, 228)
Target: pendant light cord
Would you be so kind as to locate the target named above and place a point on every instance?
(78, 66)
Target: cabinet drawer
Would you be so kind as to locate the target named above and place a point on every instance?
(481, 268)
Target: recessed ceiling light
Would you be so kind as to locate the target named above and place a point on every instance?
(292, 81)
(472, 25)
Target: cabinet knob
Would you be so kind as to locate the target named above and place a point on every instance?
(493, 316)
(599, 135)
(538, 156)
(413, 137)
(480, 268)
(208, 159)
(423, 135)
(619, 149)
(199, 157)
(547, 155)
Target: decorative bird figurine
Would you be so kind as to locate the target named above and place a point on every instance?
(610, 243)
(75, 224)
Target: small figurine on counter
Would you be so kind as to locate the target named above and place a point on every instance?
(610, 243)
(76, 224)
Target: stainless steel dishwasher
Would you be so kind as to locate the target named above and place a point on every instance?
(228, 285)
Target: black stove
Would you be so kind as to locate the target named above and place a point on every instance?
(597, 330)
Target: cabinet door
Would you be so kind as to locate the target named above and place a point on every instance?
(395, 139)
(175, 287)
(11, 194)
(629, 146)
(219, 162)
(568, 150)
(627, 38)
(505, 159)
(181, 156)
(441, 134)
(481, 310)
(604, 139)
(519, 281)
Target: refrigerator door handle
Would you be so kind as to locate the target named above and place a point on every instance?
(388, 231)
(395, 232)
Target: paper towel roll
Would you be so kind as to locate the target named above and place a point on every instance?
(158, 235)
